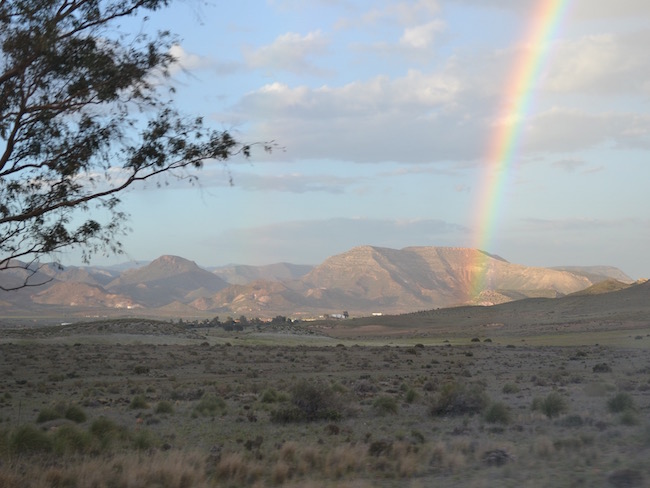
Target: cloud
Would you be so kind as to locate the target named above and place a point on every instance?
(186, 61)
(421, 36)
(312, 241)
(577, 9)
(570, 165)
(607, 9)
(601, 64)
(410, 118)
(566, 130)
(289, 52)
(293, 183)
(404, 12)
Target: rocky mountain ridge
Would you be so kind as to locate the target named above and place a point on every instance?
(363, 280)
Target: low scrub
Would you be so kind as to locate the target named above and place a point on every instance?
(384, 405)
(497, 413)
(460, 399)
(210, 406)
(620, 403)
(310, 402)
(552, 406)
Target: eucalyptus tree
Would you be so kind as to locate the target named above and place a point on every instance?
(85, 113)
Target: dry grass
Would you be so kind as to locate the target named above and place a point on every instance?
(216, 428)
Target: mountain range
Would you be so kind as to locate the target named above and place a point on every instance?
(362, 281)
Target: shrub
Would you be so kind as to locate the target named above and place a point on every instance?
(551, 406)
(143, 440)
(75, 413)
(69, 439)
(628, 417)
(210, 406)
(47, 414)
(459, 399)
(28, 439)
(497, 413)
(164, 407)
(139, 402)
(620, 403)
(104, 430)
(269, 396)
(309, 402)
(411, 395)
(385, 405)
(509, 388)
(602, 368)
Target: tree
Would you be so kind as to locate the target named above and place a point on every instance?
(83, 116)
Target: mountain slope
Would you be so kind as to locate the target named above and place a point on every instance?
(240, 274)
(82, 295)
(164, 280)
(369, 279)
(597, 273)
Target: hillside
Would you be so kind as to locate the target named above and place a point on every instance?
(362, 281)
(165, 280)
(369, 279)
(626, 308)
(240, 274)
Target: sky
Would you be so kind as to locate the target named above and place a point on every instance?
(384, 113)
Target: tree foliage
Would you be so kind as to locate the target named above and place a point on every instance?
(83, 116)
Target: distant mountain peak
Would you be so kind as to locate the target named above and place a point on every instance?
(170, 261)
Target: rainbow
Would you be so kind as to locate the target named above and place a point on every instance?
(502, 149)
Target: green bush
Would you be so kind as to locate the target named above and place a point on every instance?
(310, 402)
(69, 439)
(105, 431)
(143, 440)
(75, 413)
(164, 407)
(553, 405)
(269, 396)
(620, 403)
(47, 414)
(497, 413)
(411, 395)
(459, 399)
(210, 406)
(139, 402)
(385, 405)
(28, 439)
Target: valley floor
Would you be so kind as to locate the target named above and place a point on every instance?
(320, 414)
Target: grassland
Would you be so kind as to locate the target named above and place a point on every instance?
(126, 404)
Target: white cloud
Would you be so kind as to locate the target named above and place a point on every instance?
(608, 9)
(289, 52)
(578, 9)
(601, 64)
(187, 61)
(421, 36)
(382, 119)
(405, 12)
(566, 130)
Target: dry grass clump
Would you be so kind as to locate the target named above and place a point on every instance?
(162, 470)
